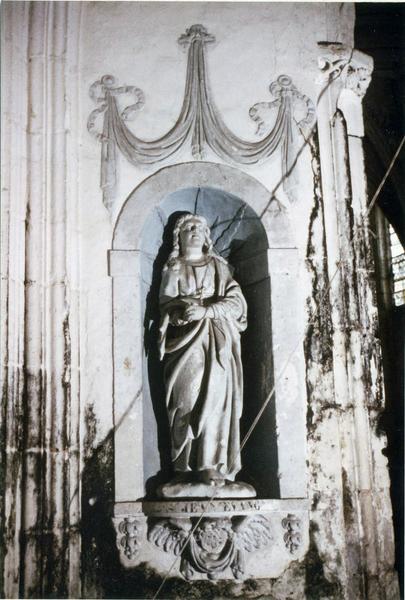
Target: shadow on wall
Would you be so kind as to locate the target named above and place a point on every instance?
(154, 366)
(102, 573)
(103, 576)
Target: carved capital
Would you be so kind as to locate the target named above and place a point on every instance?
(292, 537)
(358, 78)
(351, 68)
(346, 74)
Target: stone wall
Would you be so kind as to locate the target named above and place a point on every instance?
(58, 413)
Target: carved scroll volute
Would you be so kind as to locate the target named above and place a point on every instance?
(345, 76)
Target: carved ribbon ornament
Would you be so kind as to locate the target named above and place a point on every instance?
(199, 120)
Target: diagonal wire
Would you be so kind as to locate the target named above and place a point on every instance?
(323, 296)
(310, 322)
(196, 201)
(266, 402)
(378, 190)
(282, 371)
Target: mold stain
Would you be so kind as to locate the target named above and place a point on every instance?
(348, 508)
(317, 344)
(317, 586)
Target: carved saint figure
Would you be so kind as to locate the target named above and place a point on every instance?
(203, 312)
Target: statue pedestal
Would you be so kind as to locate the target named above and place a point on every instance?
(213, 539)
(231, 489)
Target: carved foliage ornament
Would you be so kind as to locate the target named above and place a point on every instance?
(351, 67)
(199, 120)
(292, 537)
(214, 545)
(130, 533)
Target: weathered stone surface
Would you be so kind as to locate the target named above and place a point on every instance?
(72, 435)
(241, 538)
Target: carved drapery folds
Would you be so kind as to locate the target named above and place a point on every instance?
(199, 120)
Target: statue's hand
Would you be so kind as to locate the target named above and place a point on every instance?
(176, 318)
(194, 312)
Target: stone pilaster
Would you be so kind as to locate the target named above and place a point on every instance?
(41, 256)
(357, 367)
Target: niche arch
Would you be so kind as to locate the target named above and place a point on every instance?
(270, 272)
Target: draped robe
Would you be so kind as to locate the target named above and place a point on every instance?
(202, 366)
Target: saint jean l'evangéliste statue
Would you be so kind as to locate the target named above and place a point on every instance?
(203, 312)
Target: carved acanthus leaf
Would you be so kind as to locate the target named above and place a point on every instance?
(358, 79)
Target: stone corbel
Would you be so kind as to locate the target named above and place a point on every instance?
(215, 545)
(213, 539)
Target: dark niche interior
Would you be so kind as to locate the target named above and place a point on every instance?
(238, 236)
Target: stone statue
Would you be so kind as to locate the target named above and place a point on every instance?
(203, 312)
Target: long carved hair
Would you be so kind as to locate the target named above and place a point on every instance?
(173, 261)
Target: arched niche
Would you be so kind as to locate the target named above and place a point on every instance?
(265, 260)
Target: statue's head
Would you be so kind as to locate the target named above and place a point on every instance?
(192, 231)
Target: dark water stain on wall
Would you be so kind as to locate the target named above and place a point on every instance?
(99, 557)
(318, 341)
(317, 587)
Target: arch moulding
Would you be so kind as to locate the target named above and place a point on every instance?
(151, 192)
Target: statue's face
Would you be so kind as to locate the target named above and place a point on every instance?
(192, 234)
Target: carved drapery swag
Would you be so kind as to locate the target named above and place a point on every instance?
(199, 120)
